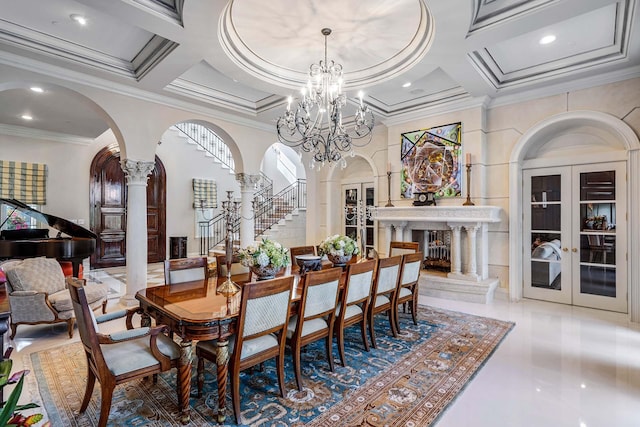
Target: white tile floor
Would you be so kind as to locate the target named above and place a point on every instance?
(560, 366)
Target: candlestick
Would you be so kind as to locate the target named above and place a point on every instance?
(389, 204)
(468, 158)
(468, 202)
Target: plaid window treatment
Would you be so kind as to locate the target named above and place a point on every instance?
(205, 194)
(26, 182)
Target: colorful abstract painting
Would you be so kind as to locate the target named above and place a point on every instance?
(431, 161)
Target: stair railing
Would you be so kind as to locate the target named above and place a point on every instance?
(208, 141)
(269, 213)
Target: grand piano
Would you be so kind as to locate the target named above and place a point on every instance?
(71, 242)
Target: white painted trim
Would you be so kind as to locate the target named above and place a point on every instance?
(539, 134)
(26, 132)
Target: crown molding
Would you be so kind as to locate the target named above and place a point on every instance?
(25, 132)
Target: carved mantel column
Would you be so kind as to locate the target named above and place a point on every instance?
(248, 184)
(455, 250)
(137, 173)
(472, 264)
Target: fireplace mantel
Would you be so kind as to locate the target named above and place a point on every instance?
(438, 214)
(469, 277)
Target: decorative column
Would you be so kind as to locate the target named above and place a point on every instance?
(137, 173)
(455, 250)
(400, 230)
(247, 221)
(472, 265)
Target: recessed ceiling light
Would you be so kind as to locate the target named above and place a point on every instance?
(548, 39)
(78, 18)
(407, 84)
(26, 117)
(37, 89)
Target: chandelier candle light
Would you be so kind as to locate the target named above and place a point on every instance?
(316, 125)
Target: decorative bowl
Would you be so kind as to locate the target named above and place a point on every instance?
(339, 260)
(266, 272)
(309, 263)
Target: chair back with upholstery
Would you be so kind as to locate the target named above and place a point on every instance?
(120, 356)
(236, 266)
(185, 270)
(261, 333)
(408, 285)
(316, 315)
(38, 293)
(385, 286)
(401, 248)
(354, 306)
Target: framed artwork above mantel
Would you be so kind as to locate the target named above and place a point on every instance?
(431, 162)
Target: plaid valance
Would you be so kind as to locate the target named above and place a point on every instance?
(205, 194)
(26, 182)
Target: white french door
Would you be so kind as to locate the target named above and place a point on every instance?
(575, 235)
(356, 198)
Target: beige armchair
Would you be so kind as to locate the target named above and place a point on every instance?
(38, 293)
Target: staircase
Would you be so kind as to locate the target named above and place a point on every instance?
(207, 141)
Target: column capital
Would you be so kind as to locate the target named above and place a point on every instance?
(247, 181)
(136, 171)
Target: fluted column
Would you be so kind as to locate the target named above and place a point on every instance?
(455, 249)
(472, 264)
(247, 221)
(400, 230)
(137, 173)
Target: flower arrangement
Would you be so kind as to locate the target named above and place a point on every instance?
(338, 245)
(263, 254)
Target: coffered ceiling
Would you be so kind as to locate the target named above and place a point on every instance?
(245, 57)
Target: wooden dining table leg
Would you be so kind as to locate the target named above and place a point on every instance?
(184, 380)
(222, 363)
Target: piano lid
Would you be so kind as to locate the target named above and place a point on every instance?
(60, 224)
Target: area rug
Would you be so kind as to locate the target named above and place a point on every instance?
(408, 380)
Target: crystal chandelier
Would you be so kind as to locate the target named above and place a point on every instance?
(316, 125)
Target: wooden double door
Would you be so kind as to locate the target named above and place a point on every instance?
(108, 210)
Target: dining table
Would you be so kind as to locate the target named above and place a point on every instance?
(196, 311)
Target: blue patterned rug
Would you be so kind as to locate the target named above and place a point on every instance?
(408, 380)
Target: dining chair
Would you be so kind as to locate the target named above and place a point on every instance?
(236, 265)
(385, 286)
(300, 250)
(260, 335)
(185, 270)
(401, 248)
(408, 286)
(316, 315)
(121, 356)
(354, 304)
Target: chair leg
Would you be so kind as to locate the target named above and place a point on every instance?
(235, 394)
(70, 324)
(372, 332)
(91, 381)
(363, 329)
(414, 307)
(295, 354)
(392, 322)
(396, 317)
(104, 306)
(280, 367)
(330, 349)
(105, 404)
(340, 346)
(14, 329)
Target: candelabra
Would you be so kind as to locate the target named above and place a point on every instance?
(360, 213)
(389, 204)
(468, 202)
(230, 212)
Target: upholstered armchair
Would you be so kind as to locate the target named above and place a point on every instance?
(38, 293)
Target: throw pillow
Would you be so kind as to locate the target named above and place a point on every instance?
(37, 274)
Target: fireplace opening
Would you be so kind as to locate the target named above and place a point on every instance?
(437, 250)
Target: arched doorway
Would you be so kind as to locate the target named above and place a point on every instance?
(108, 202)
(573, 148)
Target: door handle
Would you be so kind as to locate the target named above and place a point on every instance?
(565, 249)
(574, 250)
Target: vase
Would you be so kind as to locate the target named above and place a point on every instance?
(266, 272)
(339, 260)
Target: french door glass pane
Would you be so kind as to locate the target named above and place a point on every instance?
(598, 233)
(545, 224)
